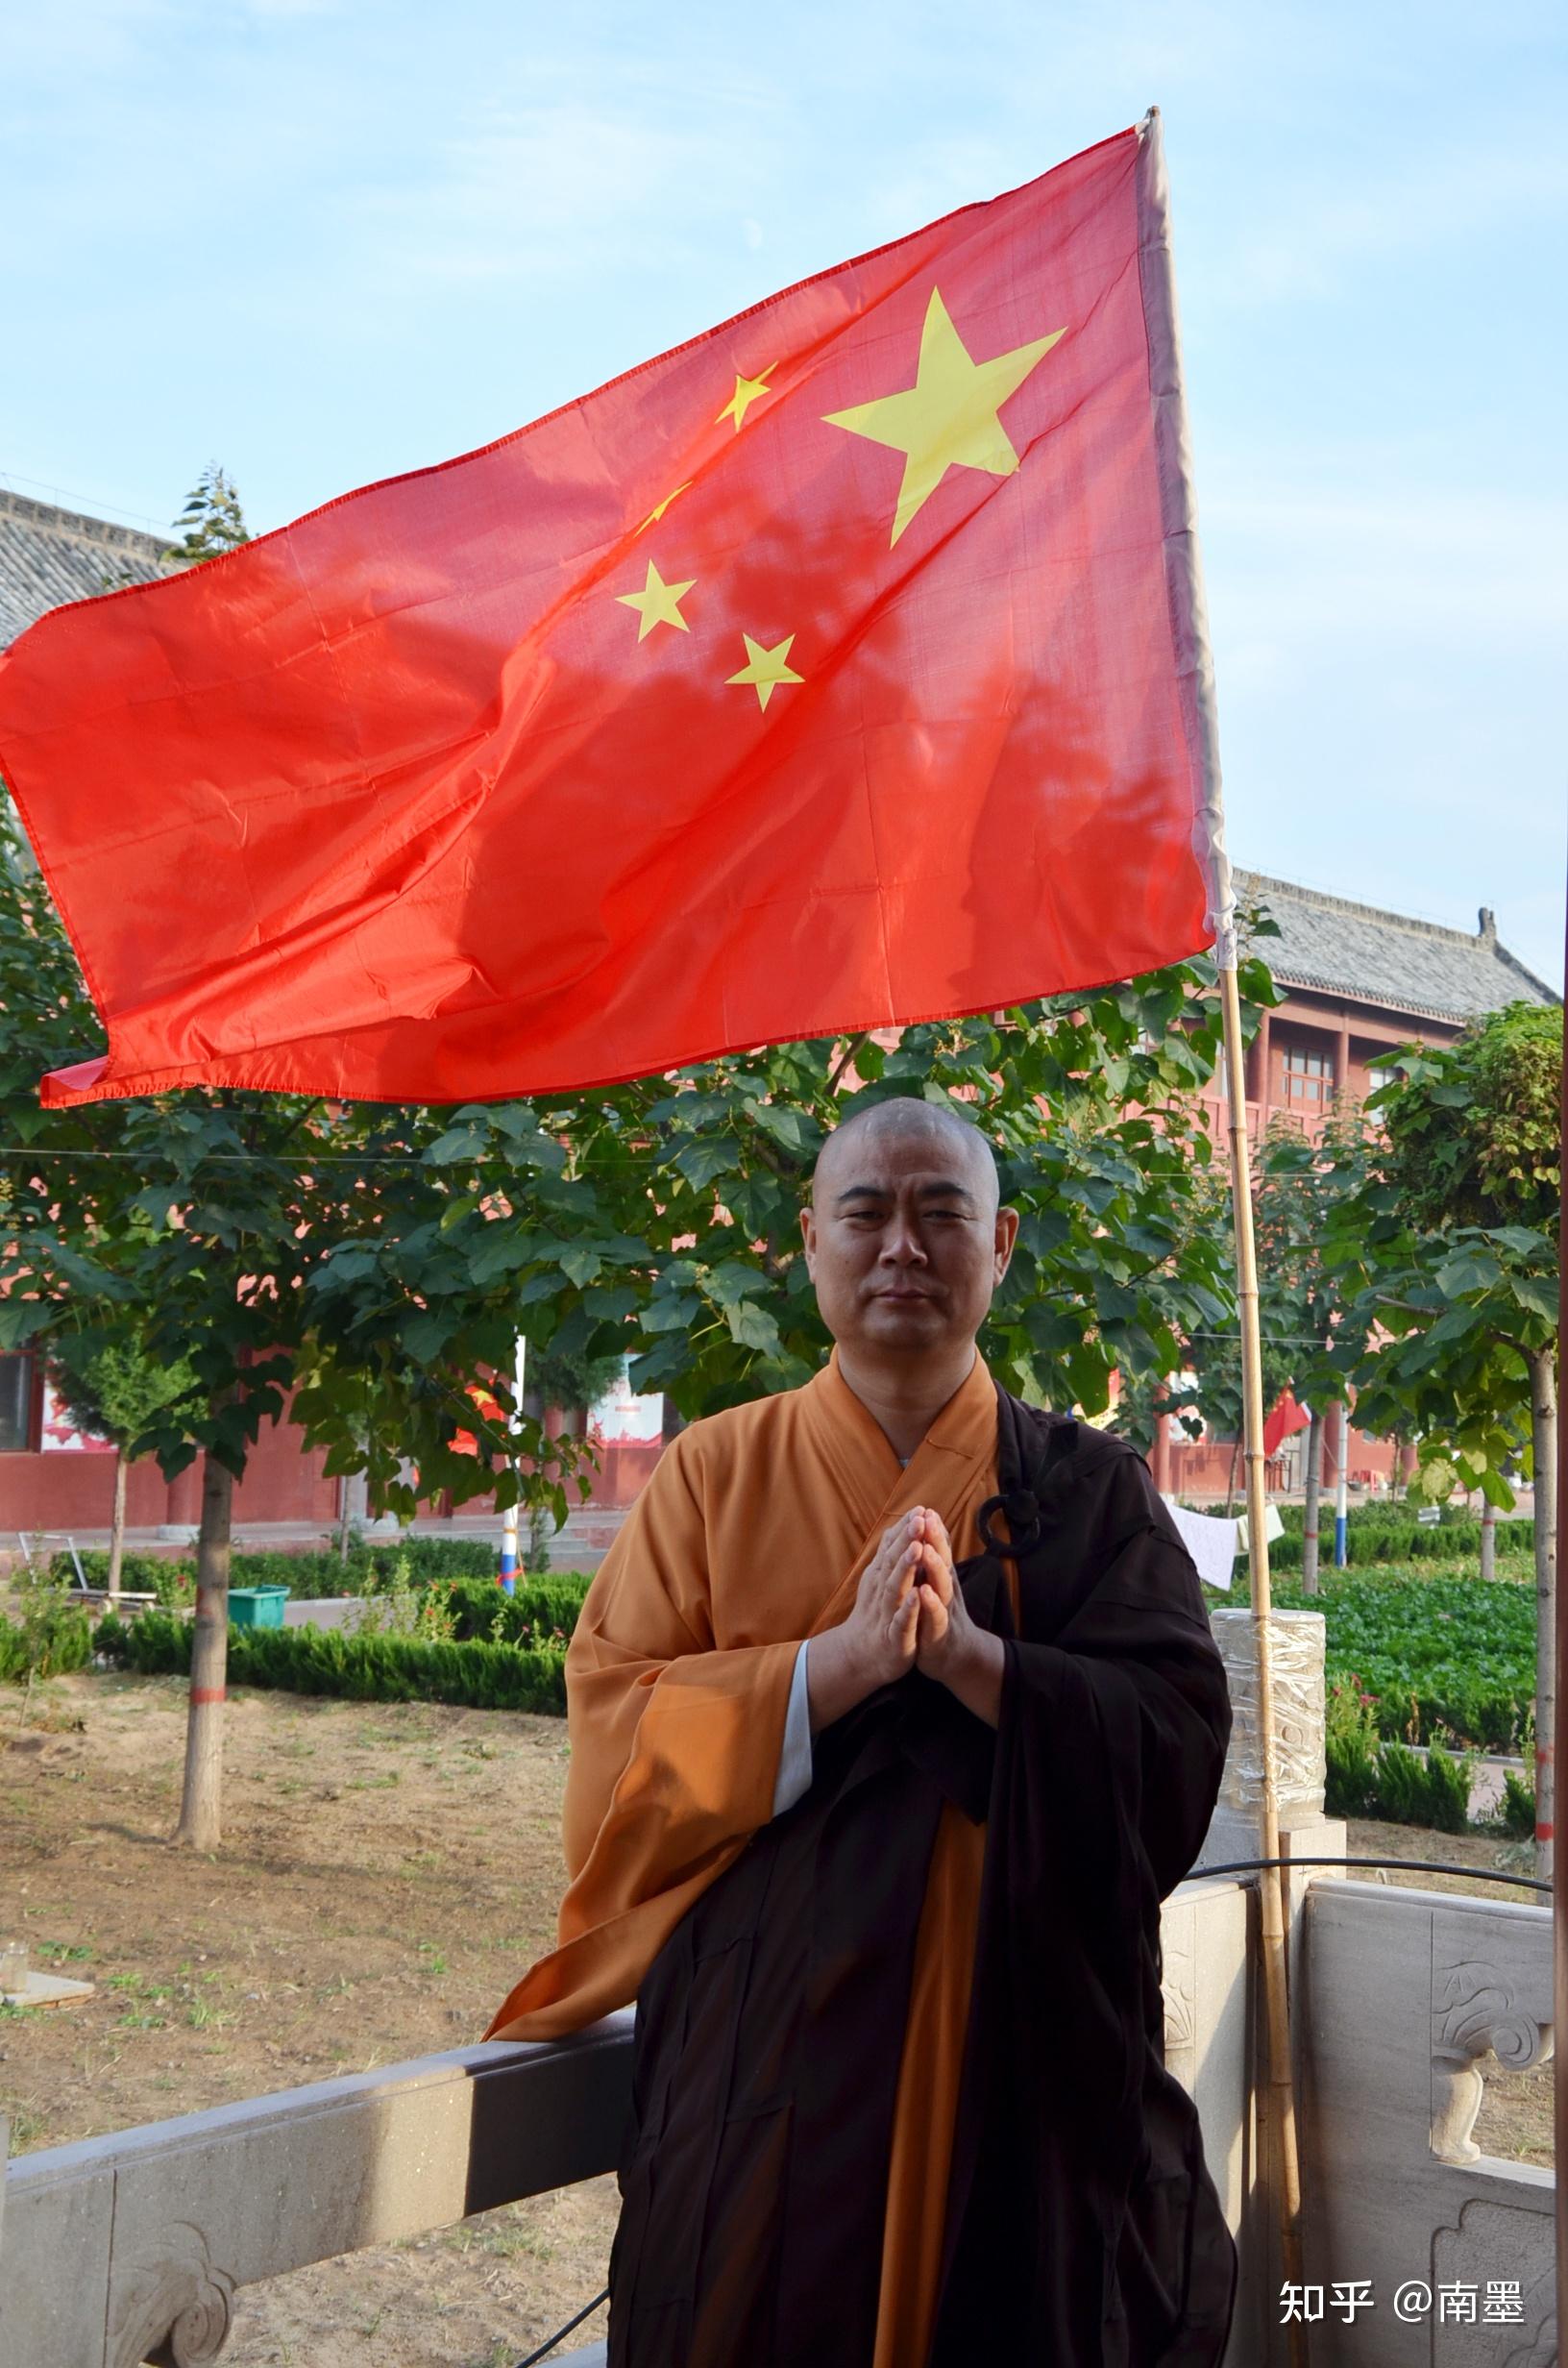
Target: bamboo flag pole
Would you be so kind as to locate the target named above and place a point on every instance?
(1281, 2100)
(1195, 668)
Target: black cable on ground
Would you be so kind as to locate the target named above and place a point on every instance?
(561, 2333)
(1424, 1867)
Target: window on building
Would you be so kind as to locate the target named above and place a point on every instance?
(15, 1405)
(1381, 1072)
(1309, 1076)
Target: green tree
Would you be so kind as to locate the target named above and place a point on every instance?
(117, 1395)
(1452, 1248)
(188, 1229)
(668, 1226)
(1314, 1333)
(212, 520)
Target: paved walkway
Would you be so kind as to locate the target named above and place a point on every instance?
(581, 1545)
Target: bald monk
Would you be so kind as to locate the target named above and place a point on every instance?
(895, 1713)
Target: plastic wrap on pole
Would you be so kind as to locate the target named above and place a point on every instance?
(1296, 1645)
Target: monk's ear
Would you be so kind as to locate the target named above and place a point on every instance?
(808, 1235)
(1007, 1234)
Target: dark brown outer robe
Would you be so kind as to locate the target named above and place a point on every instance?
(1082, 2228)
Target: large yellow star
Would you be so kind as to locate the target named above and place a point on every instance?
(948, 418)
(766, 669)
(746, 391)
(657, 603)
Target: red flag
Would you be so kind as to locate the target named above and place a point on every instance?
(842, 668)
(1287, 1418)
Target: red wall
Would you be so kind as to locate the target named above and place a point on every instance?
(284, 1482)
(68, 1491)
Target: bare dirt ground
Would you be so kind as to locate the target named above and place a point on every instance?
(387, 1871)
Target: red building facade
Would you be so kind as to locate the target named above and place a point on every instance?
(1360, 984)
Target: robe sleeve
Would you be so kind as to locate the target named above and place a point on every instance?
(674, 1755)
(674, 1744)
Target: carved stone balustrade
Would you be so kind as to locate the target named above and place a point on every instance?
(134, 2247)
(130, 2248)
(1404, 1990)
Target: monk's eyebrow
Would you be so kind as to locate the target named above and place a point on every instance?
(947, 1190)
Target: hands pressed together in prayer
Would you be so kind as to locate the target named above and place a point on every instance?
(909, 1613)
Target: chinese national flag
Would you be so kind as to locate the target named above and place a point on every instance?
(1288, 1417)
(842, 668)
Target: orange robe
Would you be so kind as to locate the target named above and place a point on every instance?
(751, 1534)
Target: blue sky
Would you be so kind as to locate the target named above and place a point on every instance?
(324, 241)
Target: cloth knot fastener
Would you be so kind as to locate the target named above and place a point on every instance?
(1022, 1512)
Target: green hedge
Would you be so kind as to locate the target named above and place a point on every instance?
(315, 1573)
(1396, 1783)
(540, 1611)
(1390, 1534)
(370, 1669)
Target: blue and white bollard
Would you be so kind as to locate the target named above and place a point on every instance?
(1341, 1505)
(508, 1580)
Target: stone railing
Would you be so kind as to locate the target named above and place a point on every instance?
(1406, 1991)
(130, 2248)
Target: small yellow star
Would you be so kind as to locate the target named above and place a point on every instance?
(746, 391)
(657, 603)
(659, 508)
(949, 418)
(766, 669)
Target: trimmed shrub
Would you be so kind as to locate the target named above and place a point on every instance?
(1518, 1805)
(371, 1668)
(540, 1611)
(1410, 1790)
(1391, 1534)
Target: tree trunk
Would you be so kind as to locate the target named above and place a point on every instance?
(201, 1820)
(1488, 1539)
(1314, 1494)
(116, 1527)
(1230, 1484)
(1543, 1411)
(343, 1520)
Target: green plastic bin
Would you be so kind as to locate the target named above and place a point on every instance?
(258, 1607)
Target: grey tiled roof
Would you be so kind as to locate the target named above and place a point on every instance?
(49, 555)
(1338, 947)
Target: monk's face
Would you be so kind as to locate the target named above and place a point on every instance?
(904, 1240)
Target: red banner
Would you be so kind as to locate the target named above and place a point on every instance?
(842, 668)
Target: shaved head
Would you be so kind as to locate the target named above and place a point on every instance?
(956, 1146)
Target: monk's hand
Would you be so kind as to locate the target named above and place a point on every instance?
(948, 1647)
(875, 1646)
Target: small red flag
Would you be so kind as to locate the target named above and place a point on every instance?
(842, 668)
(1288, 1419)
